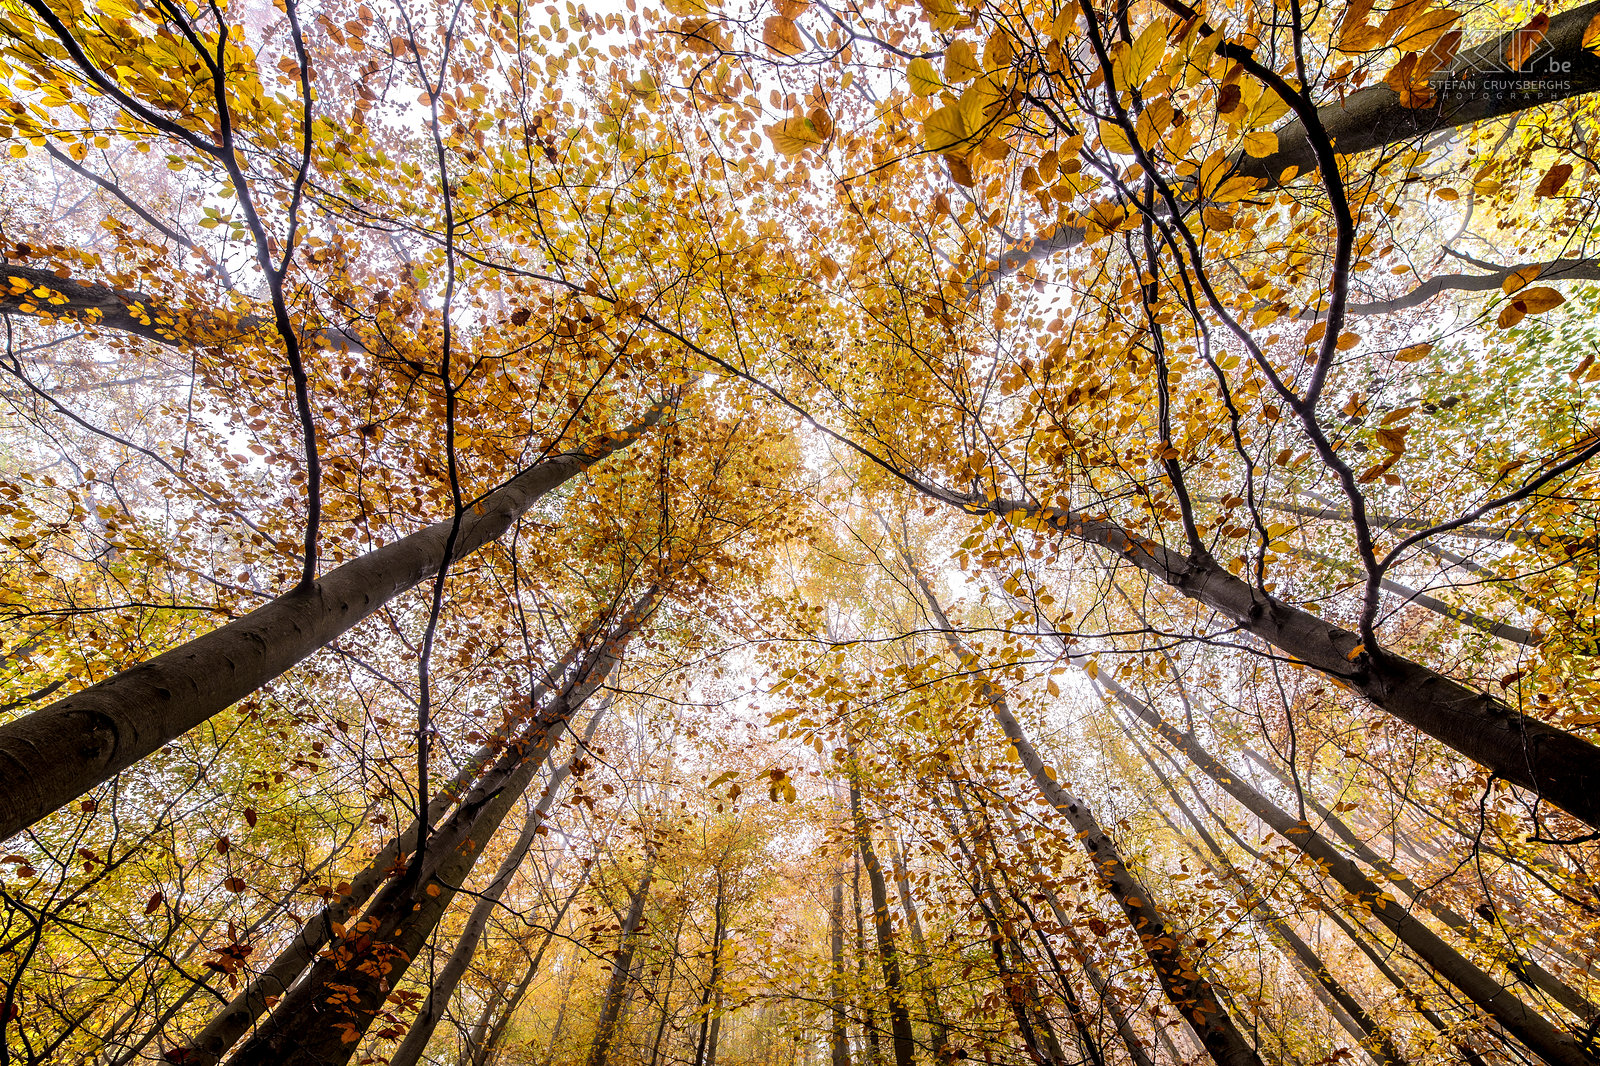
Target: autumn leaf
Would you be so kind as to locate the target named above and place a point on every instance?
(792, 136)
(782, 36)
(1554, 179)
(961, 63)
(922, 78)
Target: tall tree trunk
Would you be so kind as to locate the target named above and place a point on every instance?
(1527, 969)
(1102, 989)
(1562, 768)
(714, 981)
(1531, 1028)
(322, 1019)
(54, 755)
(938, 1038)
(666, 997)
(1193, 996)
(839, 1039)
(605, 1027)
(869, 1016)
(1346, 1010)
(902, 1041)
(229, 1024)
(444, 986)
(485, 1046)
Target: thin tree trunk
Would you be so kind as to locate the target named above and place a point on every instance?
(605, 1029)
(902, 1040)
(444, 986)
(1193, 996)
(1527, 969)
(715, 979)
(1367, 1032)
(54, 755)
(666, 997)
(1533, 1029)
(938, 1038)
(839, 1040)
(486, 1047)
(869, 1016)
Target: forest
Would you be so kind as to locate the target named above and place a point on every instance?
(799, 533)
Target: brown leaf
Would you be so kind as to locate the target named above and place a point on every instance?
(153, 904)
(1553, 179)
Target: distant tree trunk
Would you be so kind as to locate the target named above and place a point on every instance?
(666, 997)
(605, 1028)
(1107, 997)
(485, 1047)
(52, 756)
(713, 983)
(1190, 992)
(938, 1039)
(1527, 1025)
(321, 1020)
(902, 1040)
(869, 1016)
(839, 1039)
(444, 986)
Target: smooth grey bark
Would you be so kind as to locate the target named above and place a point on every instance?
(901, 1040)
(1562, 769)
(54, 755)
(1535, 1031)
(621, 966)
(1475, 87)
(1194, 997)
(838, 1038)
(229, 1024)
(444, 986)
(321, 1020)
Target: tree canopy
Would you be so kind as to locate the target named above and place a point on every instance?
(783, 533)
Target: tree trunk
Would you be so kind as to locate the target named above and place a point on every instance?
(54, 755)
(1346, 1010)
(605, 1028)
(902, 1040)
(444, 986)
(869, 1016)
(321, 1020)
(1193, 996)
(839, 1040)
(1533, 1029)
(1562, 768)
(230, 1023)
(1527, 969)
(714, 981)
(938, 1038)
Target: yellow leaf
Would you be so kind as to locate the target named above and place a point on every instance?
(793, 136)
(782, 36)
(944, 129)
(1591, 35)
(1509, 316)
(960, 64)
(997, 54)
(1115, 138)
(924, 80)
(1260, 143)
(1266, 108)
(1412, 353)
(1145, 55)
